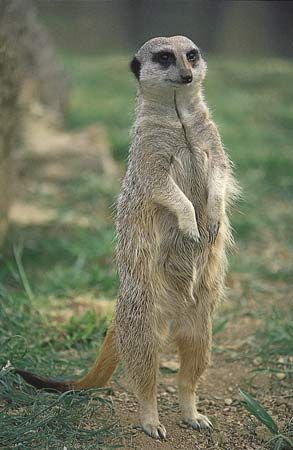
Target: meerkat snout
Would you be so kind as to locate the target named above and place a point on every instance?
(186, 78)
(168, 63)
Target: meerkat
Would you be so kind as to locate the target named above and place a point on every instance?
(172, 234)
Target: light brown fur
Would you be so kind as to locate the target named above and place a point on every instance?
(172, 234)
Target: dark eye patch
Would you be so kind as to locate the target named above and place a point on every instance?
(164, 58)
(193, 55)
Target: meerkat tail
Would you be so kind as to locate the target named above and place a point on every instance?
(98, 376)
(43, 382)
(105, 364)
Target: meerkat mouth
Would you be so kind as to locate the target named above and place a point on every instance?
(176, 83)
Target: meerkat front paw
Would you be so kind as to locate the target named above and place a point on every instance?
(213, 229)
(188, 225)
(156, 431)
(199, 422)
(190, 230)
(193, 234)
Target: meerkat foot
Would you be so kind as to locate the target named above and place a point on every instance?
(199, 422)
(156, 431)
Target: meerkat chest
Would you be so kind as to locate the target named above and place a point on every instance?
(189, 167)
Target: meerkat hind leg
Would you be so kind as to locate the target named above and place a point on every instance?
(194, 356)
(147, 392)
(143, 374)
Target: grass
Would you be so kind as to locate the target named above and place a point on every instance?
(31, 419)
(110, 97)
(280, 438)
(252, 102)
(62, 258)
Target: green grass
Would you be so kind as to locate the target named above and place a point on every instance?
(34, 420)
(42, 268)
(276, 337)
(109, 90)
(279, 438)
(252, 102)
(61, 257)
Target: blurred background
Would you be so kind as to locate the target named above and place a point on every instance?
(67, 103)
(238, 28)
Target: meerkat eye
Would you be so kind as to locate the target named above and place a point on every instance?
(193, 55)
(164, 58)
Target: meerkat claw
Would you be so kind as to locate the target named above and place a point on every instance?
(201, 422)
(193, 236)
(213, 232)
(155, 431)
(162, 432)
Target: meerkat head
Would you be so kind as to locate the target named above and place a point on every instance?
(168, 63)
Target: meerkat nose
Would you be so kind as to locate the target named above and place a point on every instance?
(186, 78)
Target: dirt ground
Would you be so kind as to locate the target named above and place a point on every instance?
(218, 398)
(233, 360)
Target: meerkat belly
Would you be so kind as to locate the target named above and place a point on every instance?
(156, 250)
(189, 169)
(179, 258)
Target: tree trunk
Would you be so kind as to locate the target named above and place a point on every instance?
(9, 123)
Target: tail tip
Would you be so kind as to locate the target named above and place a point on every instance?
(43, 383)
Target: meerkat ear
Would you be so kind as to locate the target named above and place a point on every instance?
(201, 52)
(135, 67)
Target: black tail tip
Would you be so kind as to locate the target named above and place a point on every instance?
(43, 383)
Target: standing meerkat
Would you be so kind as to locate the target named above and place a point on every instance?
(172, 234)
